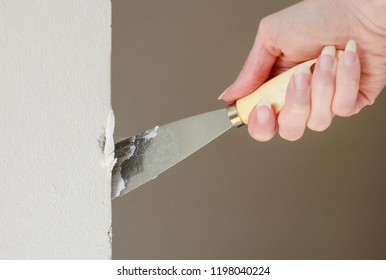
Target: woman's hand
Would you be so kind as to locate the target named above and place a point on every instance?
(336, 87)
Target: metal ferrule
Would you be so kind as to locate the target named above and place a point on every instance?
(234, 116)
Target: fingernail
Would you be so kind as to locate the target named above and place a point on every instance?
(224, 92)
(327, 58)
(302, 76)
(263, 109)
(350, 53)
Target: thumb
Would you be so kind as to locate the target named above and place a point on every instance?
(255, 71)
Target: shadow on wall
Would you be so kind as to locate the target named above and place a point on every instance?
(322, 197)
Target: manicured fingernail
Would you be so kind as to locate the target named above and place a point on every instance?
(327, 58)
(302, 76)
(350, 53)
(224, 92)
(263, 109)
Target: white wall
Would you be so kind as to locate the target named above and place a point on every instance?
(54, 103)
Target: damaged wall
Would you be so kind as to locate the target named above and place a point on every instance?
(55, 187)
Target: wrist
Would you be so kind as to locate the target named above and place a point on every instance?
(371, 13)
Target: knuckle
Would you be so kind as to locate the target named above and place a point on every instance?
(261, 136)
(291, 134)
(264, 24)
(319, 127)
(367, 101)
(343, 110)
(319, 123)
(267, 36)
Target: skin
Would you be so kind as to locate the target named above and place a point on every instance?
(341, 88)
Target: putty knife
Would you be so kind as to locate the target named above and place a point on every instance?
(143, 157)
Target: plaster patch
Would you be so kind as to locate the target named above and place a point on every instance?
(106, 142)
(130, 153)
(110, 234)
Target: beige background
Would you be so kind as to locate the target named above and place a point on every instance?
(323, 197)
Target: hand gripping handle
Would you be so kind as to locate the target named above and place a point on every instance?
(274, 90)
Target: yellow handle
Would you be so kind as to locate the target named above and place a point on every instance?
(274, 90)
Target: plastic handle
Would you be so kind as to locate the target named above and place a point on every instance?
(274, 90)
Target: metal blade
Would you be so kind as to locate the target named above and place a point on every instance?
(143, 157)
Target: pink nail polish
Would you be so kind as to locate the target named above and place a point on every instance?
(350, 53)
(327, 58)
(224, 92)
(302, 76)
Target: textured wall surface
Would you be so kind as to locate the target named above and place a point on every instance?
(54, 103)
